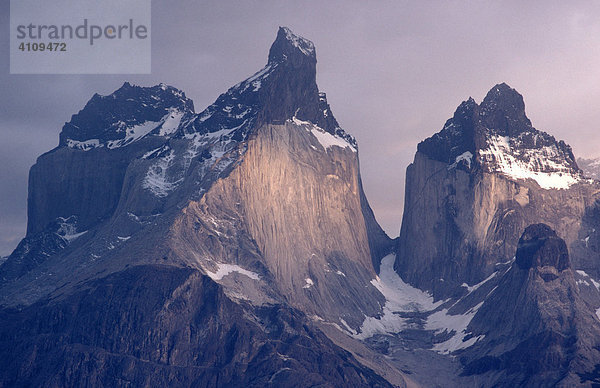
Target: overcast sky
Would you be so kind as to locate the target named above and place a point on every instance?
(393, 71)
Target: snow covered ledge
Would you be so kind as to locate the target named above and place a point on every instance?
(501, 157)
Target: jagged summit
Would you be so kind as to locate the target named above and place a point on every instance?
(497, 137)
(540, 246)
(503, 110)
(284, 89)
(159, 124)
(129, 113)
(291, 47)
(504, 97)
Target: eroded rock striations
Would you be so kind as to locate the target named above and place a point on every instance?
(169, 247)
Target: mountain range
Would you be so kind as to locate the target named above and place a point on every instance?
(236, 247)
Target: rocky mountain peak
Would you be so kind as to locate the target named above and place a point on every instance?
(291, 48)
(540, 246)
(481, 180)
(285, 89)
(139, 151)
(503, 110)
(125, 115)
(464, 116)
(256, 201)
(465, 108)
(497, 137)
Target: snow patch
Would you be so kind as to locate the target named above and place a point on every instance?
(297, 121)
(502, 157)
(255, 80)
(68, 229)
(217, 143)
(584, 274)
(157, 180)
(467, 157)
(71, 237)
(133, 134)
(205, 116)
(347, 327)
(442, 322)
(83, 145)
(476, 286)
(308, 283)
(326, 139)
(151, 152)
(580, 281)
(304, 45)
(225, 269)
(168, 125)
(171, 123)
(400, 297)
(262, 73)
(280, 370)
(405, 296)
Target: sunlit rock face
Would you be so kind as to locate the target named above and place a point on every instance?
(210, 241)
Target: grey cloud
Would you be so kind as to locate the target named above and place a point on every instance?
(393, 73)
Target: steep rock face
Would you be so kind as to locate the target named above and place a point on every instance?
(83, 176)
(302, 207)
(534, 329)
(261, 192)
(158, 155)
(475, 185)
